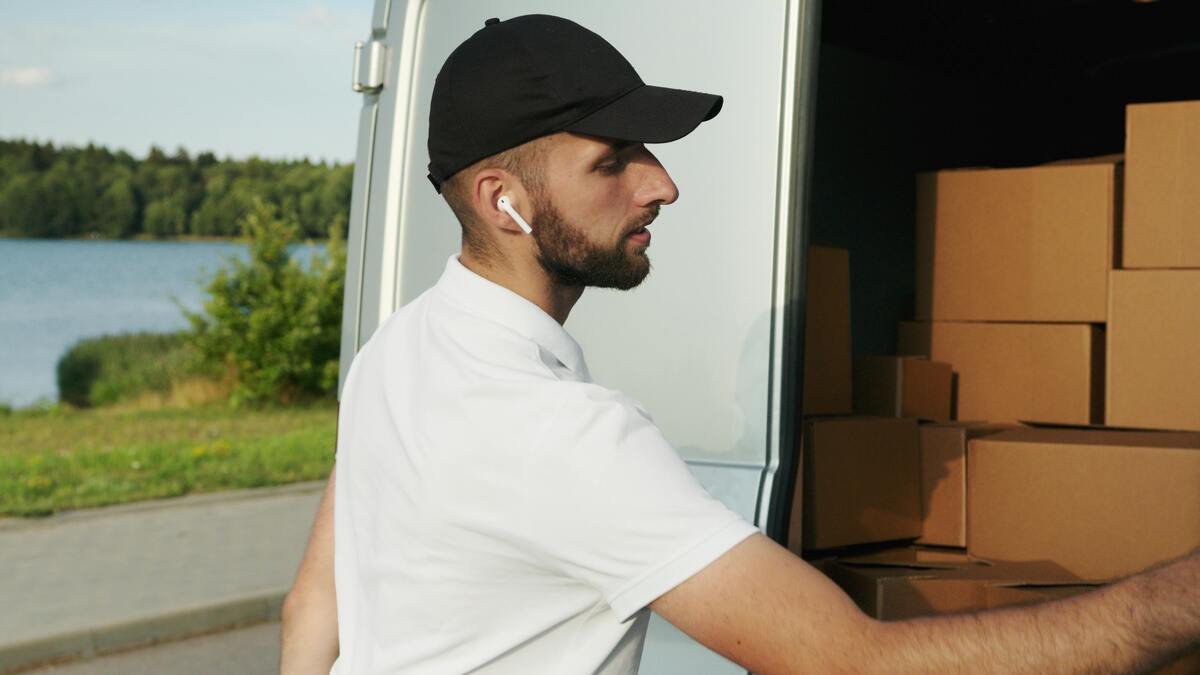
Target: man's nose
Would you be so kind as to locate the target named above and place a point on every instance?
(657, 186)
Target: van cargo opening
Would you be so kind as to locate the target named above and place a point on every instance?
(911, 87)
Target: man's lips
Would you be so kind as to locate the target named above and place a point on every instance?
(641, 235)
(649, 219)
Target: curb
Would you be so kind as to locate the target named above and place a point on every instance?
(142, 632)
(184, 501)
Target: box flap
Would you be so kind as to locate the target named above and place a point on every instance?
(1021, 572)
(914, 558)
(1089, 436)
(1114, 158)
(1095, 427)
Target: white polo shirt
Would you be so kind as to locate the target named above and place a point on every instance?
(496, 511)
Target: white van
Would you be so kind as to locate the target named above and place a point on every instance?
(712, 341)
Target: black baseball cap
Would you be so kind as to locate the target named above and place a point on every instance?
(520, 79)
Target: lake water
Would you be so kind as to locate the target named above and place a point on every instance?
(52, 293)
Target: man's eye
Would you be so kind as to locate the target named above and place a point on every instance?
(613, 167)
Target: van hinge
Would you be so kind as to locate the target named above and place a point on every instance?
(369, 62)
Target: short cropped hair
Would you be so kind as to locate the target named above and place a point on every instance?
(524, 161)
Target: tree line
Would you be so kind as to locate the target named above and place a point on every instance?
(58, 192)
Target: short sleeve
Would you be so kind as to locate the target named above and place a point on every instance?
(609, 501)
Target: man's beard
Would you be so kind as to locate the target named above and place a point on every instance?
(570, 259)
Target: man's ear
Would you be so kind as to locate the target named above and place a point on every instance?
(491, 184)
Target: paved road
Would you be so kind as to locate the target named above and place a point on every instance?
(246, 651)
(100, 579)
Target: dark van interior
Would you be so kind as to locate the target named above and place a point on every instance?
(911, 86)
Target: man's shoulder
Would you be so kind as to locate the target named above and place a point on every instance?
(587, 413)
(432, 318)
(591, 397)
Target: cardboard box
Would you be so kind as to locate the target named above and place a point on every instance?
(1162, 188)
(860, 483)
(944, 479)
(898, 386)
(908, 583)
(890, 591)
(1026, 594)
(884, 585)
(1102, 504)
(1153, 360)
(827, 365)
(922, 557)
(1025, 244)
(1008, 372)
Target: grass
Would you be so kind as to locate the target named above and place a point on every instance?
(108, 369)
(57, 458)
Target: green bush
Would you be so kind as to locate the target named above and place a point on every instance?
(111, 368)
(271, 323)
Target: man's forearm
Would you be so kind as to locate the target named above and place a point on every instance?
(309, 622)
(309, 639)
(1128, 627)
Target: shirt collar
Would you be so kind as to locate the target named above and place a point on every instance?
(492, 301)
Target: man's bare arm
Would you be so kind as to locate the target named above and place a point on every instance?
(309, 626)
(1129, 627)
(767, 610)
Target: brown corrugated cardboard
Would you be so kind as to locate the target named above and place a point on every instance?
(1008, 596)
(923, 557)
(1153, 360)
(944, 479)
(893, 592)
(1102, 504)
(1026, 244)
(861, 483)
(1162, 189)
(1012, 371)
(882, 585)
(910, 582)
(827, 365)
(899, 386)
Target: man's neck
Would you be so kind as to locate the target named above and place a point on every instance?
(530, 282)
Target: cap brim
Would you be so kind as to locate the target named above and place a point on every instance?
(650, 115)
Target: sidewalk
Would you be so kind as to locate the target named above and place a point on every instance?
(101, 580)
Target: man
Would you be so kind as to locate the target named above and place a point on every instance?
(498, 511)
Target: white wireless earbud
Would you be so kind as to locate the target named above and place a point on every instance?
(507, 207)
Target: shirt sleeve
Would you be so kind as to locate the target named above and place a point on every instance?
(609, 501)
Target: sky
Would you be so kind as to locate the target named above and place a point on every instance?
(268, 78)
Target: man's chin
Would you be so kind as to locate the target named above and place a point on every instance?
(625, 280)
(631, 280)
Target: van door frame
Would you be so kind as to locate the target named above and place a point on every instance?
(782, 481)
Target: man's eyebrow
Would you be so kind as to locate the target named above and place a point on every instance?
(614, 147)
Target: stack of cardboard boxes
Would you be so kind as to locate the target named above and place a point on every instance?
(859, 471)
(1012, 287)
(1154, 300)
(1038, 436)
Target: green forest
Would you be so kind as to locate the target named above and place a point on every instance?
(64, 192)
